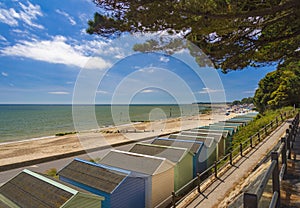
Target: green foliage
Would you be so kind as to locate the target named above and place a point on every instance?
(51, 172)
(279, 88)
(247, 100)
(254, 126)
(234, 34)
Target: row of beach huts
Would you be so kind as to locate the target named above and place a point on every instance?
(144, 176)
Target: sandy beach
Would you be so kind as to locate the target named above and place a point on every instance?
(21, 151)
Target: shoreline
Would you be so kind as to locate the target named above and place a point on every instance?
(35, 148)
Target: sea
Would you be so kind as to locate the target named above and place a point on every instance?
(21, 122)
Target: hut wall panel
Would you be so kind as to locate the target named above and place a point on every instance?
(130, 194)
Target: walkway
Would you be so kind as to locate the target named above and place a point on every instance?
(290, 187)
(220, 189)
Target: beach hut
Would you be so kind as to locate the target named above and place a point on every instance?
(218, 146)
(227, 132)
(220, 128)
(223, 125)
(236, 126)
(218, 138)
(158, 173)
(181, 157)
(119, 187)
(203, 154)
(29, 189)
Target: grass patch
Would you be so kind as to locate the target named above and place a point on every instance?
(52, 173)
(259, 122)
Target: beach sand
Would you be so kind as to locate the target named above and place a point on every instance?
(39, 148)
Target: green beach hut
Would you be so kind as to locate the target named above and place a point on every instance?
(29, 189)
(182, 157)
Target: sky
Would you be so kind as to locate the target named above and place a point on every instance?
(46, 57)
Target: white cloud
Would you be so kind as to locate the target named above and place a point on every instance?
(71, 20)
(148, 91)
(8, 17)
(27, 14)
(206, 90)
(59, 93)
(3, 38)
(147, 70)
(102, 92)
(56, 51)
(4, 74)
(164, 59)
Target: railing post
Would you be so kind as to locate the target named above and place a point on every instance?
(173, 199)
(216, 169)
(275, 177)
(198, 183)
(283, 154)
(241, 149)
(250, 200)
(230, 156)
(266, 130)
(251, 142)
(271, 124)
(258, 135)
(276, 122)
(288, 142)
(281, 117)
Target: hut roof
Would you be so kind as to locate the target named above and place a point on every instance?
(140, 163)
(174, 154)
(98, 176)
(30, 189)
(193, 146)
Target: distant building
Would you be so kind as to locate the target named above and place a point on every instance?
(182, 157)
(157, 172)
(29, 189)
(119, 187)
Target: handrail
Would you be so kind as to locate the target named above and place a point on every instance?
(179, 195)
(251, 199)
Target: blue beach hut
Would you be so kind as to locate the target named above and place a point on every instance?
(119, 187)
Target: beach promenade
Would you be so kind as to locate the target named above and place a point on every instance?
(228, 186)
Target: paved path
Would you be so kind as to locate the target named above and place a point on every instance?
(290, 186)
(220, 189)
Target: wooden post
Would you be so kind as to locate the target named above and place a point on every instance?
(250, 200)
(275, 177)
(241, 149)
(283, 154)
(271, 124)
(251, 142)
(198, 183)
(216, 169)
(276, 122)
(288, 142)
(258, 135)
(230, 156)
(173, 199)
(266, 130)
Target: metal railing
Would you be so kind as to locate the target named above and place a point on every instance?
(251, 200)
(229, 159)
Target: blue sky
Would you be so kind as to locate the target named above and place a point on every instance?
(46, 57)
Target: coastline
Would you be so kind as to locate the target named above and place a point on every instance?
(35, 148)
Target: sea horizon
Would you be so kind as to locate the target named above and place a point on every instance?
(31, 121)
